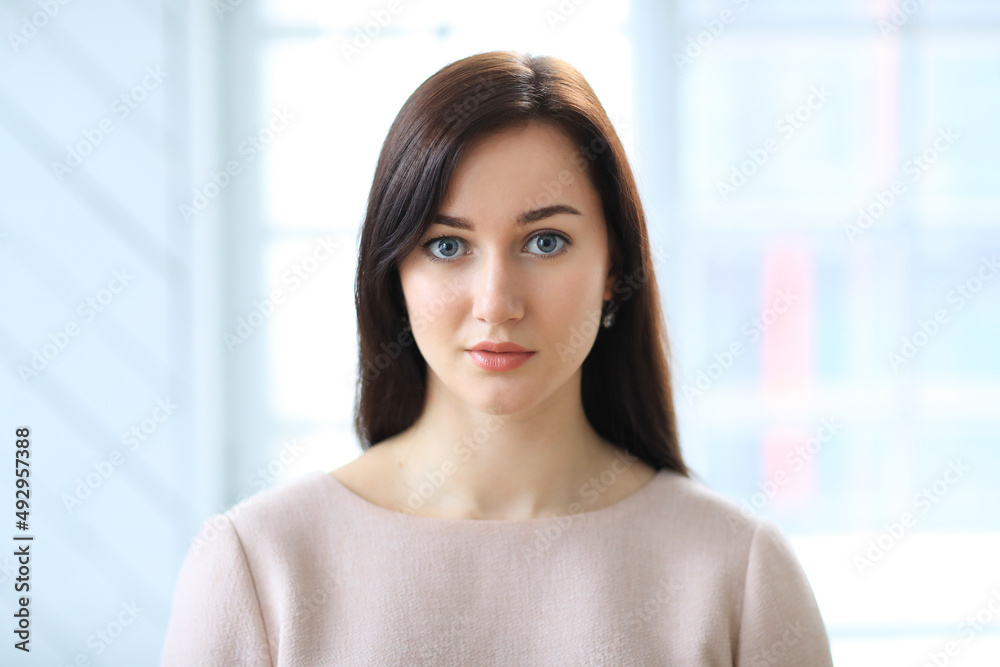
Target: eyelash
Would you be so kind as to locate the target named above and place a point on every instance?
(427, 244)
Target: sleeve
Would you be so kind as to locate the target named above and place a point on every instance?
(216, 617)
(780, 624)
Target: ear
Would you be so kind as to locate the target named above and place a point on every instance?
(614, 272)
(610, 283)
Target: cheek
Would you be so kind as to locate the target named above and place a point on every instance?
(578, 284)
(430, 297)
(570, 301)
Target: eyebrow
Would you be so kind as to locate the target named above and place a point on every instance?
(523, 219)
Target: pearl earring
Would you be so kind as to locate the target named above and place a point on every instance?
(609, 319)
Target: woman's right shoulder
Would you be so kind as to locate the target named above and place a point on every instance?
(288, 509)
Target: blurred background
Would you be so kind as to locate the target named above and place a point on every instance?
(181, 190)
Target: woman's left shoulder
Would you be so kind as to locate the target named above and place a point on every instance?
(690, 507)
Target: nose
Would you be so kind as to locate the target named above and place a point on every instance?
(496, 290)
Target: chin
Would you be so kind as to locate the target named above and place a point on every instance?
(507, 401)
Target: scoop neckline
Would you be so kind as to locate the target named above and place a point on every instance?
(431, 521)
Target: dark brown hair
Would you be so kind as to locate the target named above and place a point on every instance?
(625, 386)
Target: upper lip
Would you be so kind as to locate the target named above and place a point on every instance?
(490, 346)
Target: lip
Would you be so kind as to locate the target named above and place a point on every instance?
(498, 361)
(490, 346)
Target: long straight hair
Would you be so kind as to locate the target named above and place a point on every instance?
(625, 384)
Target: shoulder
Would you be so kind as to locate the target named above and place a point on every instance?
(698, 509)
(708, 542)
(282, 510)
(283, 536)
(237, 572)
(746, 560)
(282, 514)
(693, 522)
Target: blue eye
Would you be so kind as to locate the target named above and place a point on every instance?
(447, 245)
(552, 247)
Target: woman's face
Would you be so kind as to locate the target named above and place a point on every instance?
(530, 266)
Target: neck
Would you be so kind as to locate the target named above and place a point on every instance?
(462, 463)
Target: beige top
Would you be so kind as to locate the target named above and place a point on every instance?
(310, 573)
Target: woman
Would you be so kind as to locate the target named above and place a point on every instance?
(521, 498)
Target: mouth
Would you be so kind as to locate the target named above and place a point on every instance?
(499, 361)
(490, 346)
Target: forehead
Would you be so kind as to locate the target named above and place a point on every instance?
(519, 163)
(537, 137)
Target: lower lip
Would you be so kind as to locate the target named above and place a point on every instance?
(498, 361)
